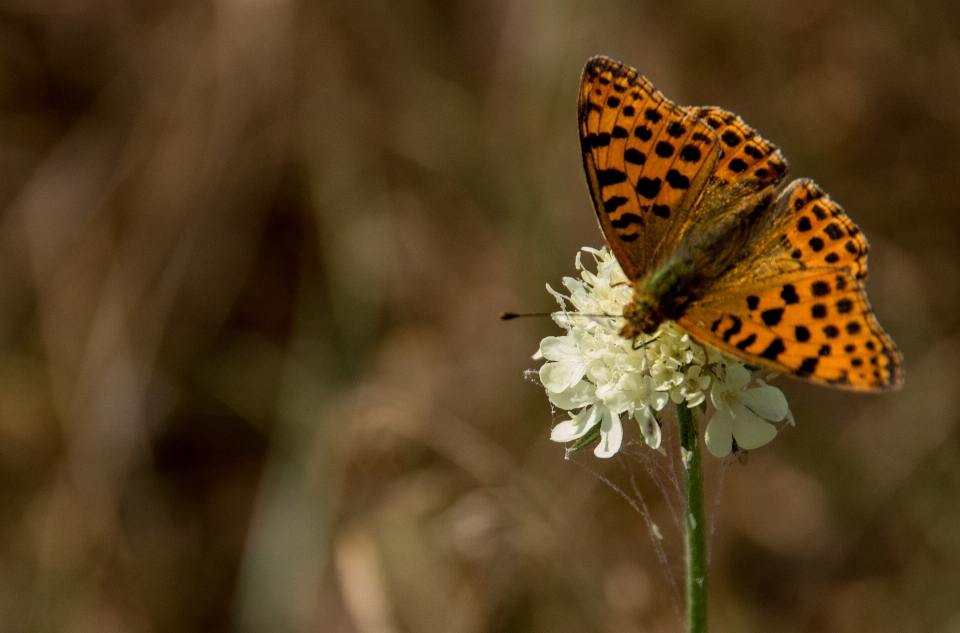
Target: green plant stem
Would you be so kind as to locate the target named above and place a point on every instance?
(695, 535)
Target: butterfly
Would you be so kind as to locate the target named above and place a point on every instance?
(689, 201)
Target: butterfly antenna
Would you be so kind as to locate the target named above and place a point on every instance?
(507, 316)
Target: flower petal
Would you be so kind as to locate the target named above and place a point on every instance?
(577, 426)
(611, 435)
(649, 429)
(738, 377)
(695, 399)
(751, 430)
(719, 435)
(768, 402)
(559, 348)
(581, 394)
(560, 376)
(659, 399)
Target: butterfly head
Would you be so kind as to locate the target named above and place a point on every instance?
(661, 296)
(642, 318)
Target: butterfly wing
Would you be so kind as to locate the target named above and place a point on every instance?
(749, 161)
(797, 303)
(745, 176)
(647, 161)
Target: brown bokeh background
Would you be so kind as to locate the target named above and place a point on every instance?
(251, 375)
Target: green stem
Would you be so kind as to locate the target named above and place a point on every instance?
(695, 534)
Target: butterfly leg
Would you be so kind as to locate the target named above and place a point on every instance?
(644, 343)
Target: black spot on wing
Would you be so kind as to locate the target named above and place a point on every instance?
(747, 342)
(626, 220)
(677, 180)
(772, 317)
(690, 153)
(773, 350)
(597, 140)
(608, 177)
(789, 294)
(731, 138)
(664, 149)
(834, 231)
(733, 330)
(614, 203)
(737, 165)
(675, 129)
(820, 288)
(808, 366)
(649, 188)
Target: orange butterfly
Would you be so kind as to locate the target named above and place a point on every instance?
(688, 202)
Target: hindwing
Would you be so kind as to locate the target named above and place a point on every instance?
(796, 303)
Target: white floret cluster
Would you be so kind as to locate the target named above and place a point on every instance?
(600, 377)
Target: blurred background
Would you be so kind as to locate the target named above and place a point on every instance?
(251, 374)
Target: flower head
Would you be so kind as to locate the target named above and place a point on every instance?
(599, 376)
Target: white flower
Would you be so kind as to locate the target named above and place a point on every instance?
(742, 413)
(599, 376)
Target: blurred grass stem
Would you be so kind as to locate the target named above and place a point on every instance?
(695, 540)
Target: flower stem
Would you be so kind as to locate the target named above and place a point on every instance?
(695, 536)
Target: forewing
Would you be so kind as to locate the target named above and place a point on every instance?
(746, 173)
(749, 160)
(647, 161)
(748, 165)
(798, 304)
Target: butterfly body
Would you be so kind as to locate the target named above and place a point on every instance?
(700, 261)
(690, 202)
